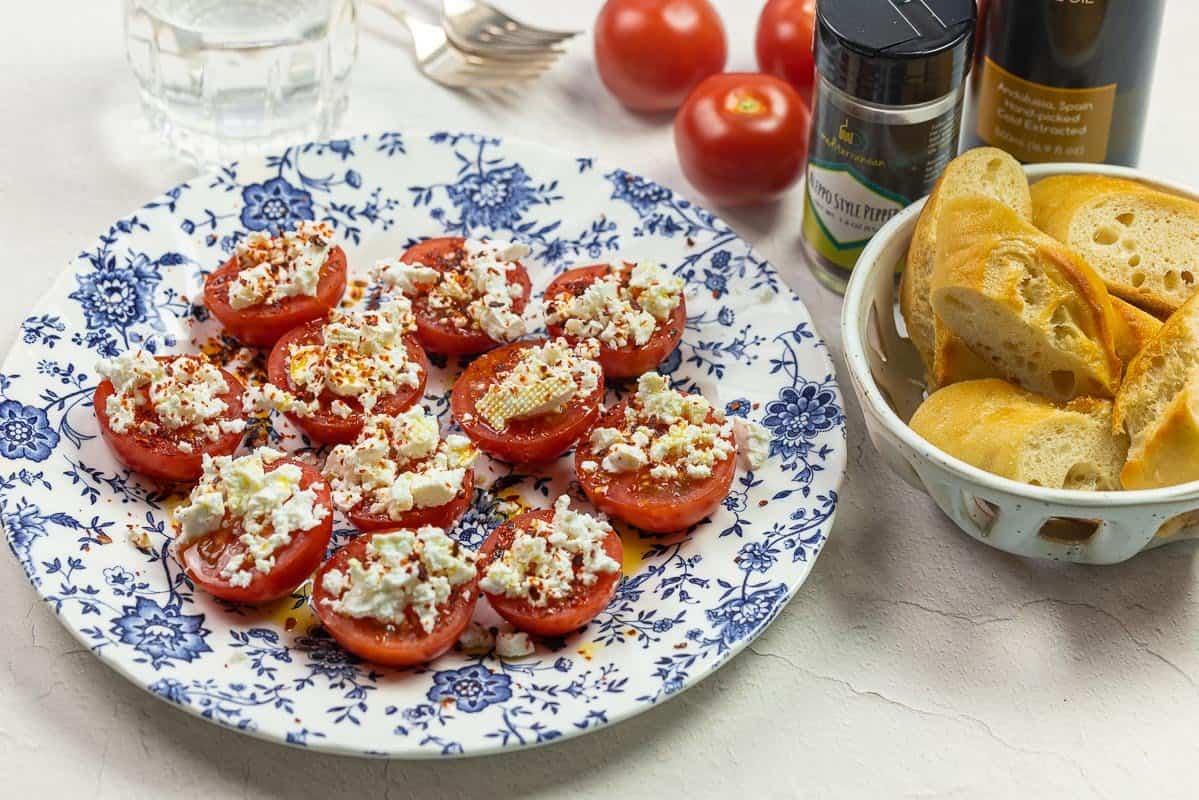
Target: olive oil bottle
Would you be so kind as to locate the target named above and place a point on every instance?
(1063, 80)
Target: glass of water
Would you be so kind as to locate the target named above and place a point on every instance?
(222, 79)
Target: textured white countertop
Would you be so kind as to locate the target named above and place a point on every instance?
(914, 662)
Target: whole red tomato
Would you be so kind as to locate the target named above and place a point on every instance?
(651, 53)
(742, 138)
(784, 43)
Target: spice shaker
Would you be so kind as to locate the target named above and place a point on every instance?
(886, 111)
(1062, 81)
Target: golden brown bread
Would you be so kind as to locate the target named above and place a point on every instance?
(1134, 328)
(1158, 405)
(1005, 430)
(1025, 302)
(983, 171)
(1143, 243)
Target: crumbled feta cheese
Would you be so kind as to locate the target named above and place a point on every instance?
(753, 443)
(404, 570)
(397, 464)
(543, 381)
(409, 279)
(624, 306)
(666, 430)
(472, 293)
(623, 457)
(476, 640)
(274, 268)
(268, 505)
(539, 565)
(513, 644)
(363, 355)
(183, 392)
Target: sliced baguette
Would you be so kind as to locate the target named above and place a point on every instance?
(1143, 243)
(1134, 328)
(1158, 405)
(983, 171)
(1022, 300)
(1005, 430)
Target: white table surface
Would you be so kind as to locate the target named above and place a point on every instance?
(914, 662)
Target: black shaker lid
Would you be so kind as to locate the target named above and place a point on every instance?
(895, 52)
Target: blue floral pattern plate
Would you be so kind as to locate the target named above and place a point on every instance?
(94, 539)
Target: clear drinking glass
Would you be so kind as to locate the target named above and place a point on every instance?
(222, 79)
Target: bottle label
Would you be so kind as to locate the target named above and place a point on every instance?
(842, 210)
(1037, 123)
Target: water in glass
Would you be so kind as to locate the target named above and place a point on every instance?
(226, 78)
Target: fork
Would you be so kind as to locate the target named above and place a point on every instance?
(440, 61)
(478, 27)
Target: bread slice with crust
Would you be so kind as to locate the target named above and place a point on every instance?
(1005, 430)
(1023, 301)
(1134, 328)
(983, 171)
(1143, 243)
(1158, 405)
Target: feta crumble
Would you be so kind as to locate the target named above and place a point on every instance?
(274, 268)
(397, 464)
(666, 430)
(183, 392)
(470, 291)
(404, 571)
(363, 356)
(268, 505)
(624, 306)
(476, 640)
(513, 644)
(540, 564)
(753, 443)
(543, 381)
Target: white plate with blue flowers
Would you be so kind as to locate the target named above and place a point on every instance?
(94, 539)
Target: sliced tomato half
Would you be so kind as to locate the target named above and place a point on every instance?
(325, 427)
(262, 325)
(649, 503)
(445, 516)
(437, 334)
(403, 645)
(631, 360)
(556, 618)
(157, 455)
(525, 441)
(205, 558)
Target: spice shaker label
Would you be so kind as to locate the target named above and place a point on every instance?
(844, 210)
(860, 174)
(1040, 123)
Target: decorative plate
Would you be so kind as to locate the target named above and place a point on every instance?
(94, 539)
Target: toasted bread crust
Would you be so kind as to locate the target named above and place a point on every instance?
(987, 255)
(983, 171)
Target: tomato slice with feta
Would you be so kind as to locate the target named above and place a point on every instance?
(142, 440)
(442, 304)
(380, 619)
(261, 323)
(221, 561)
(521, 409)
(619, 473)
(444, 516)
(401, 473)
(326, 416)
(543, 595)
(617, 323)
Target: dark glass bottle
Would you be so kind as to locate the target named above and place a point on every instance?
(1064, 80)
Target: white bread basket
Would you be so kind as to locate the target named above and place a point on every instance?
(887, 376)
